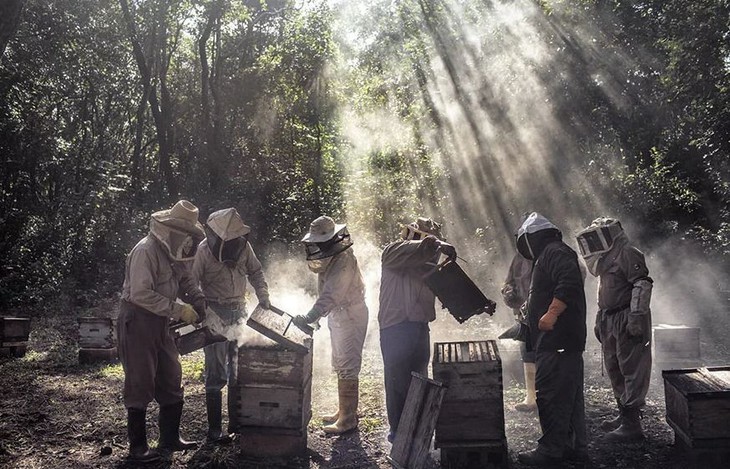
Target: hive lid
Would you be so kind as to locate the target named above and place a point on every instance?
(705, 381)
(279, 327)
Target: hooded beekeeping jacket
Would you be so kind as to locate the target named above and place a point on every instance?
(341, 284)
(225, 283)
(622, 267)
(403, 294)
(153, 281)
(555, 274)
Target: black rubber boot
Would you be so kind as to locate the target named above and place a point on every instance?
(137, 433)
(614, 423)
(170, 430)
(630, 429)
(214, 406)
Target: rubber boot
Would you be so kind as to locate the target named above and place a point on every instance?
(214, 408)
(170, 440)
(614, 423)
(348, 390)
(331, 418)
(137, 433)
(529, 404)
(630, 428)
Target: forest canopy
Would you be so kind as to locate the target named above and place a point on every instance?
(372, 112)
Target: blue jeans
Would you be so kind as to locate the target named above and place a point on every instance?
(406, 347)
(221, 359)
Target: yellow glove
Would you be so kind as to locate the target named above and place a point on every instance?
(188, 314)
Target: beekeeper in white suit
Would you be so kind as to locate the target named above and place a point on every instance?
(342, 299)
(223, 263)
(623, 321)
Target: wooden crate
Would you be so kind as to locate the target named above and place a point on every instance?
(97, 333)
(698, 406)
(417, 423)
(472, 411)
(676, 342)
(273, 388)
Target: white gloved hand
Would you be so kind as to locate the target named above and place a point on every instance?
(188, 314)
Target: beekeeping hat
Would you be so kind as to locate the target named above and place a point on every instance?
(183, 216)
(178, 229)
(227, 224)
(322, 229)
(599, 237)
(227, 235)
(421, 228)
(325, 239)
(534, 234)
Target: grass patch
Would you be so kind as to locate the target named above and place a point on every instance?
(192, 368)
(114, 371)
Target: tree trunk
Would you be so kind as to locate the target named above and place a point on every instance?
(10, 13)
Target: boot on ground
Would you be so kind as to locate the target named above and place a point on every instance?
(630, 428)
(139, 452)
(170, 440)
(612, 424)
(536, 457)
(348, 391)
(214, 408)
(529, 404)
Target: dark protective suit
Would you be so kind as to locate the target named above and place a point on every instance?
(559, 352)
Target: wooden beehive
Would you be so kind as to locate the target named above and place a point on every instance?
(698, 406)
(676, 342)
(472, 411)
(14, 333)
(274, 388)
(97, 332)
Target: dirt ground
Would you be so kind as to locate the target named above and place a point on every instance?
(57, 413)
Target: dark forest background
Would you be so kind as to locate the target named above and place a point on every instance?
(112, 109)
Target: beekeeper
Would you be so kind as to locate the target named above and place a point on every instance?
(514, 293)
(157, 270)
(623, 320)
(407, 305)
(342, 299)
(223, 263)
(556, 315)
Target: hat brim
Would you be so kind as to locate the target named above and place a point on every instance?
(164, 217)
(309, 238)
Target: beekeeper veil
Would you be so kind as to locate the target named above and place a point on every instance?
(324, 240)
(178, 230)
(535, 233)
(227, 235)
(598, 239)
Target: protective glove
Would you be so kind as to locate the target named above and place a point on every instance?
(200, 306)
(188, 314)
(635, 327)
(265, 303)
(548, 320)
(447, 249)
(305, 319)
(597, 327)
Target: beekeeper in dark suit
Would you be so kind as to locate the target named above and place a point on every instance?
(157, 271)
(556, 316)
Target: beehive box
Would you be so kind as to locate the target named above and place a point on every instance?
(14, 333)
(274, 388)
(472, 411)
(97, 333)
(698, 406)
(676, 342)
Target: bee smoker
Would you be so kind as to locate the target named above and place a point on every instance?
(194, 340)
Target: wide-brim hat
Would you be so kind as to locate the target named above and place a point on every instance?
(322, 229)
(182, 216)
(228, 224)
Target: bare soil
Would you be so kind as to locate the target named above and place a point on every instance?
(57, 413)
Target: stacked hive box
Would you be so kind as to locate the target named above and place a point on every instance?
(14, 333)
(274, 394)
(97, 340)
(470, 428)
